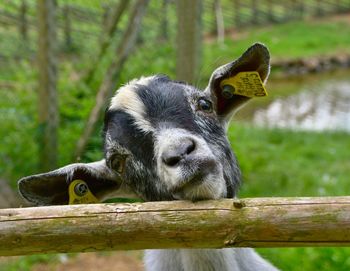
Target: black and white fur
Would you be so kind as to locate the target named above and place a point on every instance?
(166, 140)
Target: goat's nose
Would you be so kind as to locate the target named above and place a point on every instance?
(172, 156)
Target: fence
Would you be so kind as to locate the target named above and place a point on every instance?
(78, 23)
(259, 222)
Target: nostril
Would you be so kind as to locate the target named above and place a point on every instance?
(177, 152)
(171, 160)
(190, 147)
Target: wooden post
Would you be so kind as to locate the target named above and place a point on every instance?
(23, 22)
(259, 222)
(188, 39)
(47, 98)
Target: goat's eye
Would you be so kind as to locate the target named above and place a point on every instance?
(205, 105)
(118, 163)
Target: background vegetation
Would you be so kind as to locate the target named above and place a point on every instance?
(275, 162)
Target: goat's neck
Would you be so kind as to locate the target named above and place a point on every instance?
(241, 259)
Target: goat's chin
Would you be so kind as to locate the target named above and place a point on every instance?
(209, 188)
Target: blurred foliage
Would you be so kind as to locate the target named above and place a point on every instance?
(274, 162)
(18, 103)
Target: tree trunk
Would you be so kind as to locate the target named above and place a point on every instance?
(109, 83)
(47, 99)
(188, 40)
(259, 222)
(23, 22)
(220, 28)
(111, 21)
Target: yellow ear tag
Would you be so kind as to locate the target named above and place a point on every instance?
(79, 193)
(246, 84)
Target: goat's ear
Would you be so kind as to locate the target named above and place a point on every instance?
(256, 58)
(51, 188)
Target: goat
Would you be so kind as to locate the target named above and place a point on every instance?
(166, 140)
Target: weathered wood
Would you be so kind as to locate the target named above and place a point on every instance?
(259, 222)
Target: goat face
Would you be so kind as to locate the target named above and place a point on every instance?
(167, 141)
(163, 140)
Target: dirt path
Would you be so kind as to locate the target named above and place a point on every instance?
(116, 261)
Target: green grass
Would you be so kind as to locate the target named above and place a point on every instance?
(285, 41)
(286, 163)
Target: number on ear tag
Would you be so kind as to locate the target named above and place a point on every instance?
(79, 193)
(246, 84)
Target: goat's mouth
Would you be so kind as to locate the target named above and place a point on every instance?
(205, 181)
(192, 182)
(205, 190)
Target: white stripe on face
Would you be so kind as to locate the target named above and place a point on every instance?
(127, 100)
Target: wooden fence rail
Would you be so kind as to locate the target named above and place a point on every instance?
(258, 222)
